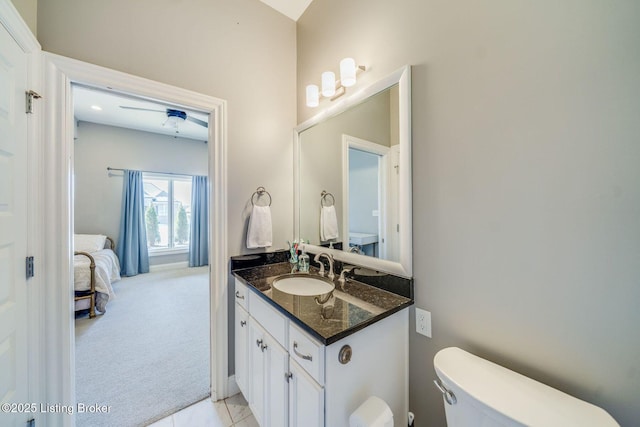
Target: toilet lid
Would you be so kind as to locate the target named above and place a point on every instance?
(513, 395)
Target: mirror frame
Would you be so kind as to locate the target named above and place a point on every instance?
(404, 266)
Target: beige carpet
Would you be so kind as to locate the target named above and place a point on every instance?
(148, 355)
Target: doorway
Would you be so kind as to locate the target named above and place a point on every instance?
(365, 181)
(152, 329)
(60, 74)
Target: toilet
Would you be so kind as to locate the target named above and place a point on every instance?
(374, 412)
(477, 392)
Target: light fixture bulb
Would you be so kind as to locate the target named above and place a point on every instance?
(348, 72)
(313, 97)
(328, 84)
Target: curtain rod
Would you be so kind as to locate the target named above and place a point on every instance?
(159, 173)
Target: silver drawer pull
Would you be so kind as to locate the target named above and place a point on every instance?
(263, 347)
(238, 295)
(448, 395)
(288, 376)
(304, 356)
(259, 343)
(243, 322)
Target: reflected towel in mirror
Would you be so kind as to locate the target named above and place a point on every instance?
(259, 233)
(328, 223)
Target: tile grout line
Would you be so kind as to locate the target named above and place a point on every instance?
(229, 412)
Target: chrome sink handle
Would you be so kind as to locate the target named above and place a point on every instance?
(343, 279)
(330, 259)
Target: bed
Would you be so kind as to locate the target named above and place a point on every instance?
(95, 268)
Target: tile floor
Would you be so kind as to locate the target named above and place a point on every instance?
(232, 411)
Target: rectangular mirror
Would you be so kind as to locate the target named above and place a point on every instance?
(353, 177)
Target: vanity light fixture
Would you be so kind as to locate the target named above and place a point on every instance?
(313, 98)
(328, 84)
(332, 88)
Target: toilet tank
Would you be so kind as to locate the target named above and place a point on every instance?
(487, 394)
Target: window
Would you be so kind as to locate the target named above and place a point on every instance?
(167, 207)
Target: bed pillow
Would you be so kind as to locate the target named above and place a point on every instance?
(88, 242)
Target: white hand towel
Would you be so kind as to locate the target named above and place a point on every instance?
(259, 232)
(328, 223)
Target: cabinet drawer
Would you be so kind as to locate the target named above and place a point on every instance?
(307, 352)
(242, 295)
(270, 319)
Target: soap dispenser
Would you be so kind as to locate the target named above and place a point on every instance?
(303, 261)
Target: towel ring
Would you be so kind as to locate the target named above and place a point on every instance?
(259, 192)
(323, 198)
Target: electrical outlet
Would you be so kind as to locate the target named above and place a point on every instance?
(423, 322)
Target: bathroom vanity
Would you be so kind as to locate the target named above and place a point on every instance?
(309, 361)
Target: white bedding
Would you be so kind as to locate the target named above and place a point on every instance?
(107, 272)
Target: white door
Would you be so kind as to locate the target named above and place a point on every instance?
(241, 349)
(306, 399)
(256, 370)
(393, 204)
(276, 386)
(13, 230)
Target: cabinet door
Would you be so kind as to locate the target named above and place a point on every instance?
(241, 350)
(306, 399)
(276, 385)
(256, 370)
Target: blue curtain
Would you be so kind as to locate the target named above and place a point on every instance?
(132, 243)
(199, 239)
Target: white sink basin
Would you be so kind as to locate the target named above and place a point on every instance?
(303, 285)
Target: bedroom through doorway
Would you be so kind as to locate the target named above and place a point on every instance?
(140, 178)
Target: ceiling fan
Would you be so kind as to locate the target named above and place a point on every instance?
(173, 116)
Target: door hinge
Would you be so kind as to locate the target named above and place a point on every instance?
(31, 423)
(29, 96)
(30, 267)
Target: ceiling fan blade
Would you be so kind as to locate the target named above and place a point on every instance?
(142, 109)
(198, 121)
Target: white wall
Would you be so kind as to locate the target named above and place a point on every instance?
(98, 197)
(526, 183)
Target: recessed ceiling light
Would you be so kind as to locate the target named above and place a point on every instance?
(96, 107)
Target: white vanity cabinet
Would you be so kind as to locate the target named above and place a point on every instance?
(291, 379)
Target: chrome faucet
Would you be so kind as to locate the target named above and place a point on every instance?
(330, 259)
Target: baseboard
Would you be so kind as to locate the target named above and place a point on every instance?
(170, 266)
(232, 386)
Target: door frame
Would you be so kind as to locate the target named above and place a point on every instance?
(57, 195)
(349, 142)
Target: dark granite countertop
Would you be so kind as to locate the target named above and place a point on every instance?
(351, 308)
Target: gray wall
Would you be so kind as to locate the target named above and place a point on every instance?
(28, 10)
(242, 51)
(321, 157)
(526, 183)
(98, 197)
